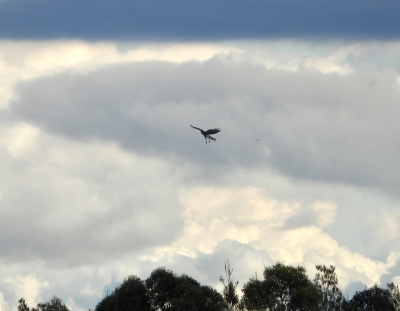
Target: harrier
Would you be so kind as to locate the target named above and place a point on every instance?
(207, 134)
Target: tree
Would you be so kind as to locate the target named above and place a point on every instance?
(394, 294)
(167, 291)
(283, 282)
(327, 282)
(54, 304)
(107, 303)
(161, 287)
(196, 297)
(213, 301)
(284, 288)
(372, 299)
(256, 296)
(305, 299)
(229, 291)
(131, 294)
(22, 306)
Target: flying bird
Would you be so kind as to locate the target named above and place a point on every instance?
(207, 134)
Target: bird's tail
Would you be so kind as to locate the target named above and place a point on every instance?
(212, 138)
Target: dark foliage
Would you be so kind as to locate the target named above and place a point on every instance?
(256, 295)
(22, 306)
(167, 291)
(284, 288)
(162, 287)
(163, 290)
(106, 304)
(54, 304)
(372, 299)
(130, 295)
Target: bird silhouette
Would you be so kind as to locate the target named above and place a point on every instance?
(207, 134)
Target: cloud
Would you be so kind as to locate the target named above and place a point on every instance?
(26, 60)
(28, 287)
(103, 177)
(215, 216)
(312, 126)
(81, 204)
(210, 20)
(320, 213)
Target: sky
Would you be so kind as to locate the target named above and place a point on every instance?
(103, 177)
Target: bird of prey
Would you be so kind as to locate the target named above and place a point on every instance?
(207, 134)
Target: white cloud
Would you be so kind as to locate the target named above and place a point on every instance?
(392, 259)
(26, 60)
(325, 212)
(20, 140)
(249, 217)
(212, 215)
(2, 302)
(28, 287)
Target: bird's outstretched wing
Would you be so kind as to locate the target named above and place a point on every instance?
(213, 131)
(196, 128)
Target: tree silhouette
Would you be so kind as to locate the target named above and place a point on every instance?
(54, 304)
(327, 282)
(22, 306)
(394, 295)
(229, 291)
(372, 299)
(167, 291)
(284, 288)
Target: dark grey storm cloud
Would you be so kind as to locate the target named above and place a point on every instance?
(198, 20)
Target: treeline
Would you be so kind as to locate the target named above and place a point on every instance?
(282, 288)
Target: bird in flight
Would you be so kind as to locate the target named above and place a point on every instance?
(207, 134)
